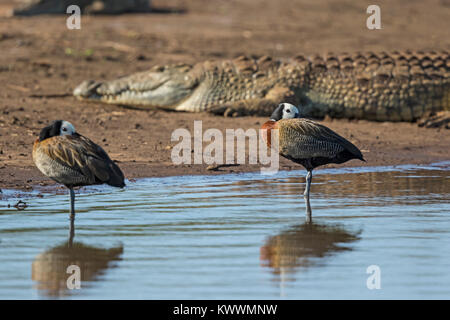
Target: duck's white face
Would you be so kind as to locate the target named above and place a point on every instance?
(289, 111)
(66, 128)
(284, 111)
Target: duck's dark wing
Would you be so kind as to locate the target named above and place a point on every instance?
(84, 156)
(303, 138)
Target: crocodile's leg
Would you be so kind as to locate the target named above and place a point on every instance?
(261, 107)
(436, 120)
(257, 106)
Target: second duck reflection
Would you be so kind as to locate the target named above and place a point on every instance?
(296, 247)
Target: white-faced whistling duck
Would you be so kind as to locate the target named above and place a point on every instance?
(73, 160)
(307, 143)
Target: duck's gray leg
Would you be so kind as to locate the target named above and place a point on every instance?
(308, 184)
(72, 216)
(306, 196)
(72, 203)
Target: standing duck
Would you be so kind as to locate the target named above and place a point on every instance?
(73, 160)
(307, 143)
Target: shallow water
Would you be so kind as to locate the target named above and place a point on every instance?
(239, 236)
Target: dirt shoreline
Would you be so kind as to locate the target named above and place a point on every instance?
(41, 61)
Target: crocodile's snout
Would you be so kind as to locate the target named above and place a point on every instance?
(164, 88)
(87, 89)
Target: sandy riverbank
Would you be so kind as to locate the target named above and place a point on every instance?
(40, 57)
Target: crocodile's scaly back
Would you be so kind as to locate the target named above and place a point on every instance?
(222, 83)
(383, 87)
(374, 86)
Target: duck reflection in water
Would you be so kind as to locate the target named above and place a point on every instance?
(297, 247)
(50, 269)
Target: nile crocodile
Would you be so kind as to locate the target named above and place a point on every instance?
(397, 86)
(33, 7)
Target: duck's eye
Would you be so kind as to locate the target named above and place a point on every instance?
(288, 111)
(64, 129)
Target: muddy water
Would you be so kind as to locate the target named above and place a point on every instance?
(237, 237)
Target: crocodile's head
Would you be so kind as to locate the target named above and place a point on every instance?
(163, 87)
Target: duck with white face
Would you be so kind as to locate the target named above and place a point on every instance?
(73, 160)
(308, 143)
(285, 111)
